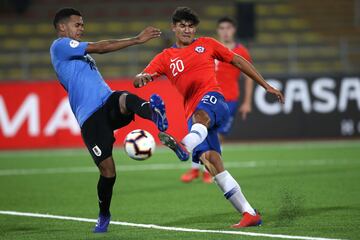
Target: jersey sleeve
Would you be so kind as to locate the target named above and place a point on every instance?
(156, 65)
(67, 48)
(221, 52)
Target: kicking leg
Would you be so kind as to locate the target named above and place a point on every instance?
(231, 189)
(198, 133)
(153, 110)
(104, 189)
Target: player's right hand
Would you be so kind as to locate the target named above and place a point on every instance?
(277, 93)
(147, 34)
(142, 79)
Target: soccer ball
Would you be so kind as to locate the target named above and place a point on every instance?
(139, 144)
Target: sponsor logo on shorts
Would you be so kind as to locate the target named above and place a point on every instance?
(97, 150)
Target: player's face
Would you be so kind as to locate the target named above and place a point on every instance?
(73, 27)
(184, 32)
(226, 32)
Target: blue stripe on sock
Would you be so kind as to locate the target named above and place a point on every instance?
(196, 132)
(228, 194)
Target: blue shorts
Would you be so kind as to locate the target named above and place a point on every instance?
(233, 108)
(213, 103)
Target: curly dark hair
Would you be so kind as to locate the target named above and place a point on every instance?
(186, 14)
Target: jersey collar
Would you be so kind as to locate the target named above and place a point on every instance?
(175, 46)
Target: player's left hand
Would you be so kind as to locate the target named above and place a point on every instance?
(147, 34)
(245, 109)
(142, 79)
(277, 93)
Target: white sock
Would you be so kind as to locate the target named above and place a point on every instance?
(197, 135)
(195, 165)
(232, 192)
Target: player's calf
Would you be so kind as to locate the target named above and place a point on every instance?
(153, 110)
(212, 162)
(104, 190)
(131, 103)
(231, 189)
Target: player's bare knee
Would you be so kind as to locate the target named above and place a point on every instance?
(202, 117)
(107, 172)
(122, 103)
(215, 161)
(107, 168)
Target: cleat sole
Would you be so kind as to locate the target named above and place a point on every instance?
(171, 143)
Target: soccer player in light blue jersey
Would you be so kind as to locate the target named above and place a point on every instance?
(99, 110)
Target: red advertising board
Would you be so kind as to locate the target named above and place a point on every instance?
(38, 115)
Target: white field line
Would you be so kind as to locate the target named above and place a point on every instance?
(153, 226)
(172, 166)
(161, 150)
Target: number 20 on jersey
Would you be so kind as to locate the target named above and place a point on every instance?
(176, 66)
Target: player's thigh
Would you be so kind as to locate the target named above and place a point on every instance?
(225, 127)
(212, 109)
(211, 143)
(227, 124)
(118, 118)
(98, 136)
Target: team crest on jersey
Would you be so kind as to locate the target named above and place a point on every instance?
(199, 49)
(74, 43)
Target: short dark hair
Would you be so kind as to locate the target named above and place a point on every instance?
(63, 14)
(186, 14)
(228, 20)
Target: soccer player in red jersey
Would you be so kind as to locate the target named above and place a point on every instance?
(189, 65)
(227, 76)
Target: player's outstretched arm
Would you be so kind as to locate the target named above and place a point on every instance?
(112, 45)
(250, 70)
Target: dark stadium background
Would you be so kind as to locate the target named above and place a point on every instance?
(309, 49)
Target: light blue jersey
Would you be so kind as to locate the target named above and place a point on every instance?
(77, 72)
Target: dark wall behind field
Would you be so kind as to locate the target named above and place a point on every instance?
(315, 107)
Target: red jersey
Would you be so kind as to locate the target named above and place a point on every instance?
(191, 69)
(228, 75)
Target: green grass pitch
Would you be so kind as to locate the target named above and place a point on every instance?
(301, 189)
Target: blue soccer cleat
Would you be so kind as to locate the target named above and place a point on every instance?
(158, 112)
(102, 224)
(178, 148)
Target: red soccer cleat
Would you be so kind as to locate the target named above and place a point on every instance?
(249, 220)
(207, 178)
(190, 175)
